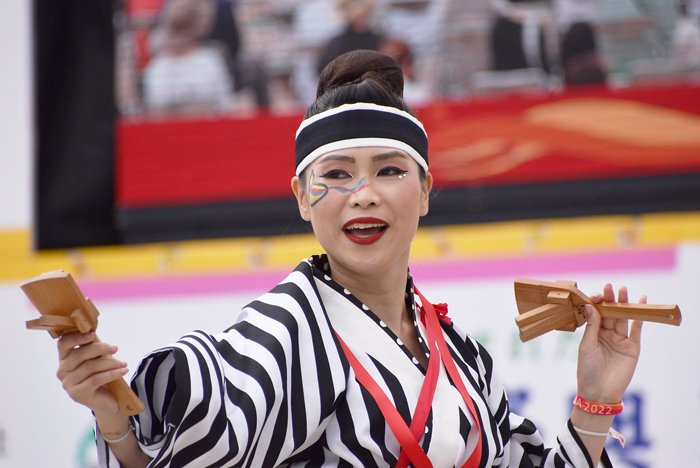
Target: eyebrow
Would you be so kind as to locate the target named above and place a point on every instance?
(389, 155)
(376, 157)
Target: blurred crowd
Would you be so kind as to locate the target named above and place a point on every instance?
(242, 57)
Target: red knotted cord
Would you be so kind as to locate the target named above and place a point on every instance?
(409, 438)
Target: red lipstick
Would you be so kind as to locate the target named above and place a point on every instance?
(365, 231)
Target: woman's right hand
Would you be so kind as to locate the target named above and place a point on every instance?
(86, 365)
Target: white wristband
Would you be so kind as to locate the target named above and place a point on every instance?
(121, 437)
(612, 433)
(597, 434)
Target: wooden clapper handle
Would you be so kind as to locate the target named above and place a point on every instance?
(129, 403)
(65, 310)
(669, 314)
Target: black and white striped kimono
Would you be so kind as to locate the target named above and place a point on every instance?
(276, 389)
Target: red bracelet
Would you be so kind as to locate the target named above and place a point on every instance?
(597, 408)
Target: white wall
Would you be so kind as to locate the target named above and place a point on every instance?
(15, 114)
(42, 427)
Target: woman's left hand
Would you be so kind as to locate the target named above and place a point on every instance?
(608, 352)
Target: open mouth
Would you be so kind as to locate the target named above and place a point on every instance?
(365, 231)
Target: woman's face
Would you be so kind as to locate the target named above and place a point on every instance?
(364, 205)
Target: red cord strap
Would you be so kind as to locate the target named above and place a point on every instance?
(393, 418)
(425, 400)
(409, 438)
(475, 457)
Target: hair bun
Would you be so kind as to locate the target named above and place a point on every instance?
(361, 66)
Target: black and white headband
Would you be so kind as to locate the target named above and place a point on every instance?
(360, 125)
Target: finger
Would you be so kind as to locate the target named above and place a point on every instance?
(636, 331)
(622, 326)
(608, 296)
(608, 293)
(86, 353)
(70, 341)
(87, 370)
(622, 295)
(84, 391)
(590, 333)
(636, 328)
(96, 381)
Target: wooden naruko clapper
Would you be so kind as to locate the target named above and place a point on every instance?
(64, 310)
(544, 307)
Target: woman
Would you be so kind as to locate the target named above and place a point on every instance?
(344, 363)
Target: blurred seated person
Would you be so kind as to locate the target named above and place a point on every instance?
(186, 76)
(580, 59)
(245, 73)
(517, 35)
(415, 93)
(358, 33)
(686, 34)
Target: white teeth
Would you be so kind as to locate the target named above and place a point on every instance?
(363, 226)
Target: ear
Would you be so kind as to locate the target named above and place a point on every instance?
(426, 187)
(302, 201)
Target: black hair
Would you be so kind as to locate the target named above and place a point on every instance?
(360, 76)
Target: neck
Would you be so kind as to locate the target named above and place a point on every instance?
(382, 291)
(181, 49)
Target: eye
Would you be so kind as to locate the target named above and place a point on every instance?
(335, 174)
(391, 171)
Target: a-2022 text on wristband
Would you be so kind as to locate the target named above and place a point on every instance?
(597, 408)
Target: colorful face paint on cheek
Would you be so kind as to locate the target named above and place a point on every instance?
(318, 190)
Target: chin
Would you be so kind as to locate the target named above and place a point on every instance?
(371, 261)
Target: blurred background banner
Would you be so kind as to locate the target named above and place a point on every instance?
(583, 152)
(163, 120)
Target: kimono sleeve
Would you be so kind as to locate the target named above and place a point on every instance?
(523, 446)
(257, 394)
(156, 385)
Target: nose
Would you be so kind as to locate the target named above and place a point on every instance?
(364, 195)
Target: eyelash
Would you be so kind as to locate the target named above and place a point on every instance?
(394, 171)
(335, 174)
(340, 174)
